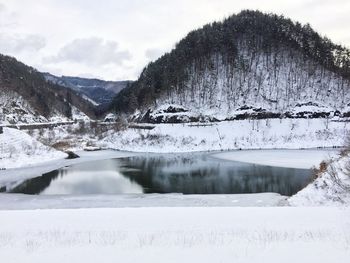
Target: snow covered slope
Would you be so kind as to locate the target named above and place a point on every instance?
(214, 94)
(14, 109)
(332, 187)
(18, 149)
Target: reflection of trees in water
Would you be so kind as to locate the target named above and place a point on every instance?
(38, 184)
(188, 174)
(208, 176)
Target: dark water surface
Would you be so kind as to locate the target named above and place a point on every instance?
(197, 173)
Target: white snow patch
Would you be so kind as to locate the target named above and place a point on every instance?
(90, 100)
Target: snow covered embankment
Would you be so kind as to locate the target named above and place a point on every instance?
(331, 188)
(18, 149)
(230, 135)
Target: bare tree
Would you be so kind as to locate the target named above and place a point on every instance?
(333, 171)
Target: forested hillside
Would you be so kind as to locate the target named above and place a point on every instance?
(25, 96)
(248, 62)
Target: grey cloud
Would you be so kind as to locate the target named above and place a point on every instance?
(154, 53)
(2, 8)
(91, 51)
(16, 44)
(89, 76)
(7, 18)
(346, 40)
(314, 3)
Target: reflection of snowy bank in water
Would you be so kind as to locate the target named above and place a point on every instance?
(195, 173)
(302, 159)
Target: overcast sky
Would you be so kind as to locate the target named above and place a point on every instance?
(115, 39)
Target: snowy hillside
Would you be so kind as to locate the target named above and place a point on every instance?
(278, 86)
(18, 149)
(251, 65)
(26, 97)
(14, 109)
(281, 84)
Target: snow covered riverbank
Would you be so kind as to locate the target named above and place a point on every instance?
(230, 135)
(13, 177)
(176, 235)
(331, 188)
(18, 149)
(149, 140)
(196, 137)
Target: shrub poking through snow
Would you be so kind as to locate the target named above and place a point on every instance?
(331, 187)
(340, 176)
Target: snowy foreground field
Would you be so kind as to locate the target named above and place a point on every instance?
(176, 235)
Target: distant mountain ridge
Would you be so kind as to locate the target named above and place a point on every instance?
(100, 92)
(248, 64)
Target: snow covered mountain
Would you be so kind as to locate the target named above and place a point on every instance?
(251, 65)
(97, 91)
(26, 97)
